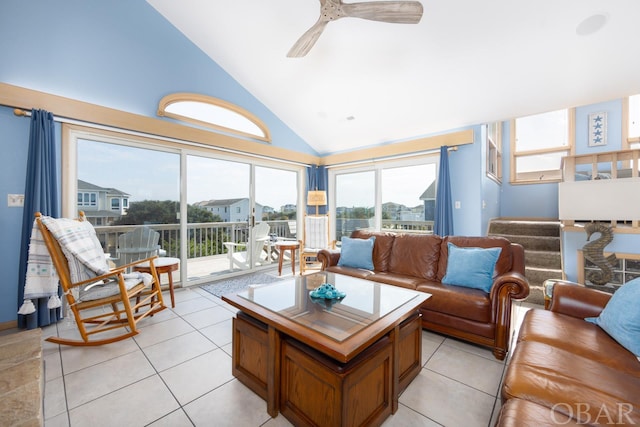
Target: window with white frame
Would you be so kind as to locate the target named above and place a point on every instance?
(87, 199)
(397, 195)
(494, 151)
(538, 143)
(115, 204)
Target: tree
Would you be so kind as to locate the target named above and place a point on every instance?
(163, 212)
(198, 214)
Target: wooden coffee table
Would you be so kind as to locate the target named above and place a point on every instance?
(323, 363)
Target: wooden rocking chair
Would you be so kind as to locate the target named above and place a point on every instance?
(106, 302)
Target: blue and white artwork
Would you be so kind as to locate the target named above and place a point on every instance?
(597, 129)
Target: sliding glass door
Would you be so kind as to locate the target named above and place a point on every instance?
(219, 214)
(219, 217)
(276, 198)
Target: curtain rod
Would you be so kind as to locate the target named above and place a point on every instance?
(22, 113)
(397, 157)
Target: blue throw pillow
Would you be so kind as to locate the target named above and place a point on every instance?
(471, 267)
(357, 253)
(621, 317)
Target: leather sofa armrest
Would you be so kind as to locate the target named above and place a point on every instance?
(328, 257)
(506, 287)
(578, 301)
(512, 283)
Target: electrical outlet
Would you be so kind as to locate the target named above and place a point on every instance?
(457, 204)
(15, 200)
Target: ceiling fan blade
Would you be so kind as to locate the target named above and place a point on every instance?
(400, 12)
(308, 39)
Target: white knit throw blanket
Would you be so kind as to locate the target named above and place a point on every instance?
(41, 279)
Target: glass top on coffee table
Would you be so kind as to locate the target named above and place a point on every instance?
(365, 302)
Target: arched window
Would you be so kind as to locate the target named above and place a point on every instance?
(214, 113)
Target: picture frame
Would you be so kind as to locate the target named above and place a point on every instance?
(597, 129)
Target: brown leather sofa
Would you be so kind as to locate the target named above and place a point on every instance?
(566, 371)
(420, 262)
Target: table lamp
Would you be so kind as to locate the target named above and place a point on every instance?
(317, 198)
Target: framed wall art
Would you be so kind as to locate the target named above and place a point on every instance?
(597, 129)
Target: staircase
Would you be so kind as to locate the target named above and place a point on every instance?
(541, 242)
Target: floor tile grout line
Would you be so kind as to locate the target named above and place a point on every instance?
(459, 382)
(490, 359)
(418, 412)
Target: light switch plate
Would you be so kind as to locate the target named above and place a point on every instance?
(15, 200)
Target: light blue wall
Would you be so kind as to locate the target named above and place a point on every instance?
(14, 135)
(466, 186)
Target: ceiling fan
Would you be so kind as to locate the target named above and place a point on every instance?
(400, 12)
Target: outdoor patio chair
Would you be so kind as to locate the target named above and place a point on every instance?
(238, 254)
(100, 299)
(135, 245)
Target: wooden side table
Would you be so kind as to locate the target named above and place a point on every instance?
(163, 265)
(287, 246)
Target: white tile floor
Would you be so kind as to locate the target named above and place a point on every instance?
(177, 372)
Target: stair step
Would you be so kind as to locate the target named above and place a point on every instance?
(534, 243)
(537, 276)
(541, 241)
(524, 227)
(543, 259)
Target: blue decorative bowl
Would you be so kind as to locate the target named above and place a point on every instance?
(327, 291)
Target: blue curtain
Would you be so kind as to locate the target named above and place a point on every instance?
(41, 195)
(317, 179)
(443, 221)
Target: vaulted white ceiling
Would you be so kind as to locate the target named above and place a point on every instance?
(467, 62)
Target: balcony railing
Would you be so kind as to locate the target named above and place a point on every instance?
(206, 239)
(346, 225)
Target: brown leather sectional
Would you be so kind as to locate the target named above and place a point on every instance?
(419, 262)
(566, 371)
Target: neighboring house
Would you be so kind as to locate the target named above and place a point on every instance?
(289, 208)
(268, 210)
(400, 212)
(101, 206)
(429, 198)
(231, 210)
